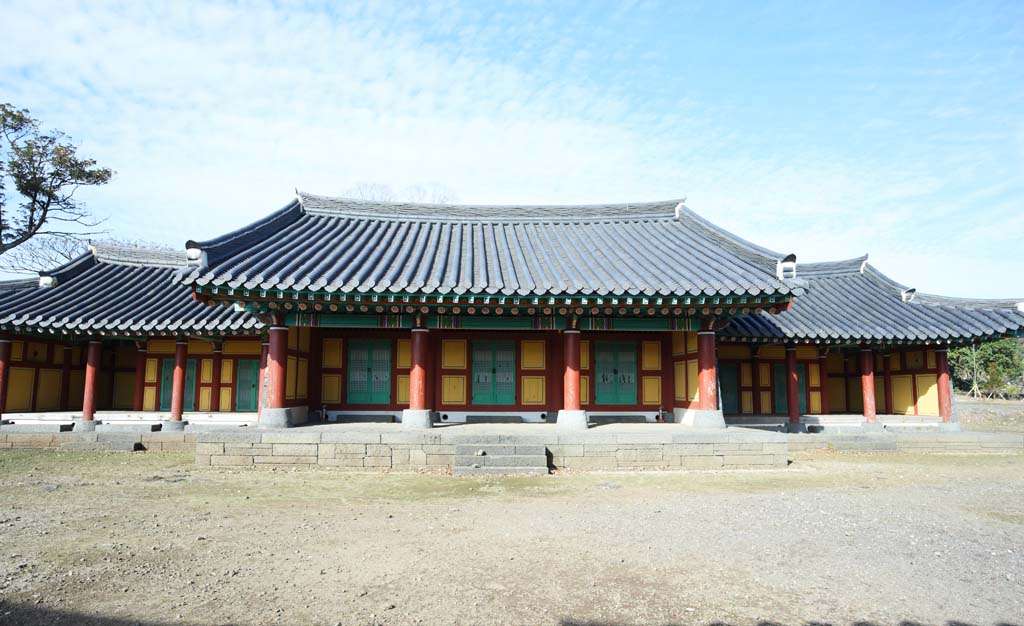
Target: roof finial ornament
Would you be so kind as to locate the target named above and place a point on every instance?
(907, 295)
(786, 267)
(680, 207)
(864, 263)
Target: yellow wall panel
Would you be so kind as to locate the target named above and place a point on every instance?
(652, 390)
(894, 362)
(404, 358)
(48, 390)
(198, 346)
(691, 380)
(304, 335)
(733, 351)
(237, 346)
(650, 357)
(19, 389)
(227, 373)
(764, 375)
(903, 395)
(584, 389)
(880, 404)
(678, 343)
(927, 394)
(225, 399)
(837, 395)
(746, 378)
(403, 388)
(813, 375)
(584, 355)
(930, 360)
(815, 402)
(453, 388)
(159, 346)
(533, 354)
(330, 388)
(533, 389)
(691, 343)
(151, 369)
(332, 353)
(453, 355)
(806, 353)
(856, 403)
(206, 371)
(205, 395)
(293, 338)
(772, 352)
(679, 380)
(747, 402)
(302, 379)
(149, 399)
(17, 350)
(915, 360)
(290, 378)
(124, 390)
(766, 402)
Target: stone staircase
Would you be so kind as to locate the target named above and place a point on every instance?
(495, 459)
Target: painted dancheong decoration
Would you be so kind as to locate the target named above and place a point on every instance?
(337, 309)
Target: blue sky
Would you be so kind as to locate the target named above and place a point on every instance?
(826, 129)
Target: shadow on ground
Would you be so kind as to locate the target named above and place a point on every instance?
(571, 622)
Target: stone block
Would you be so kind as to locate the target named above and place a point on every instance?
(567, 450)
(230, 460)
(400, 457)
(203, 460)
(690, 449)
(344, 461)
(439, 459)
(701, 462)
(174, 446)
(228, 436)
(591, 463)
(377, 461)
(748, 459)
(448, 449)
(295, 449)
(283, 460)
(209, 448)
(244, 449)
(350, 437)
(290, 438)
(378, 450)
(639, 455)
(410, 437)
(417, 458)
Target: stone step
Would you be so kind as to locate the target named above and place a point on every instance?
(467, 449)
(495, 470)
(521, 460)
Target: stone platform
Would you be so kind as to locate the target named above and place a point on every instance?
(609, 447)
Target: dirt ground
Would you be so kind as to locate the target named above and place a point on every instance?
(147, 538)
(980, 414)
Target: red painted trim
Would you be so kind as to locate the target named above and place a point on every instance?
(92, 367)
(419, 359)
(945, 399)
(571, 375)
(867, 384)
(5, 366)
(277, 361)
(707, 375)
(178, 380)
(792, 386)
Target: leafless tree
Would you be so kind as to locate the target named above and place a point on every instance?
(46, 252)
(427, 193)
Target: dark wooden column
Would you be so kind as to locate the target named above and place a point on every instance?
(178, 380)
(140, 377)
(823, 381)
(5, 366)
(945, 397)
(277, 362)
(571, 377)
(92, 372)
(707, 371)
(215, 390)
(792, 386)
(65, 378)
(418, 371)
(867, 384)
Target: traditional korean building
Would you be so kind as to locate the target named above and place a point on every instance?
(112, 330)
(437, 313)
(570, 313)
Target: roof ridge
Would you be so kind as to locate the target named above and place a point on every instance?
(856, 265)
(120, 254)
(314, 204)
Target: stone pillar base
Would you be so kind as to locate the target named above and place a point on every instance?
(274, 418)
(699, 418)
(84, 426)
(949, 427)
(171, 425)
(572, 420)
(798, 427)
(872, 427)
(417, 418)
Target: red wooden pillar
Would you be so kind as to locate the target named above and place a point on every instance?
(418, 371)
(65, 378)
(5, 366)
(571, 378)
(792, 386)
(140, 377)
(92, 372)
(823, 381)
(178, 380)
(945, 399)
(707, 374)
(215, 390)
(261, 384)
(277, 361)
(867, 384)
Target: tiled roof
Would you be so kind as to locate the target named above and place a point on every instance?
(334, 244)
(852, 301)
(115, 290)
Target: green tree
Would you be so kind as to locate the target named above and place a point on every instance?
(45, 171)
(994, 368)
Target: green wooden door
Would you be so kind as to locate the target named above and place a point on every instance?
(167, 383)
(369, 371)
(728, 379)
(494, 372)
(247, 382)
(781, 399)
(615, 372)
